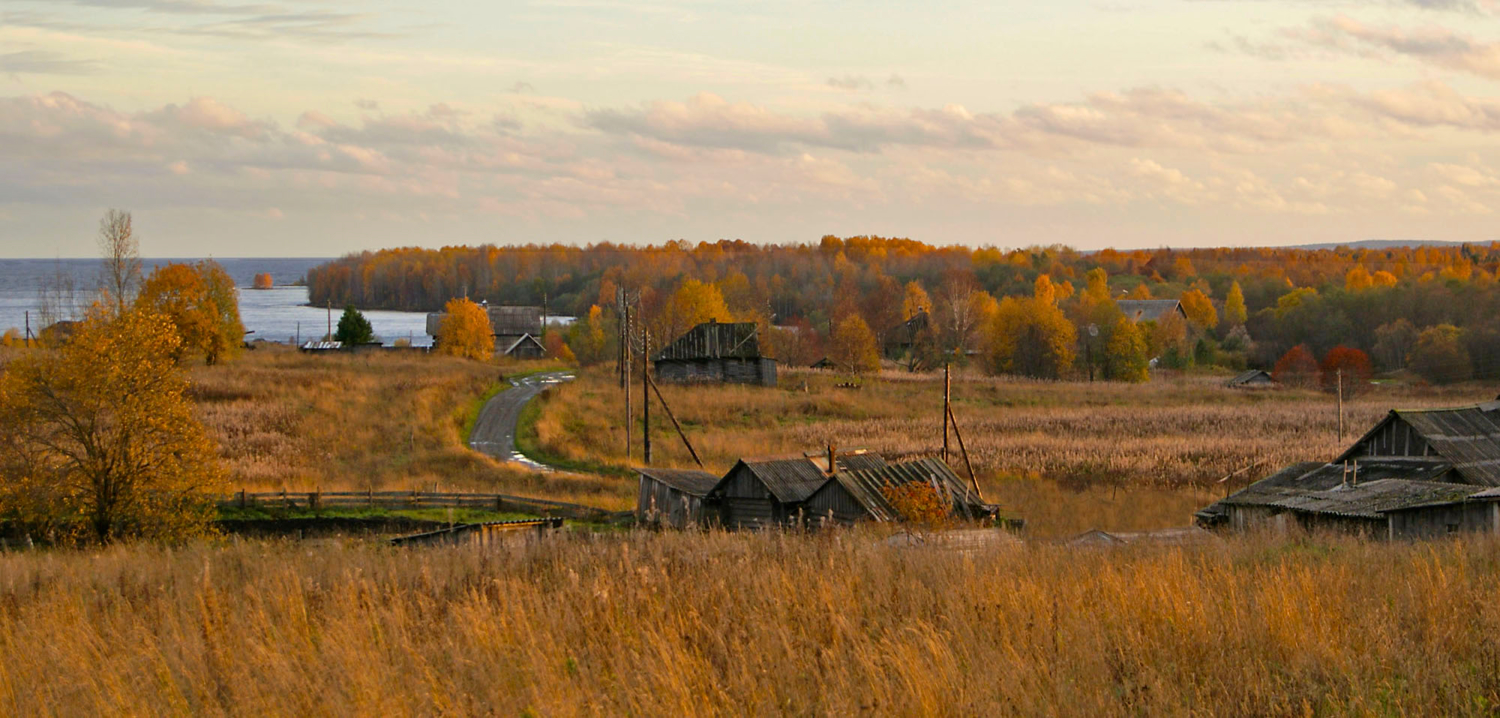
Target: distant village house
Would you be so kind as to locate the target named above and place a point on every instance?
(516, 329)
(716, 352)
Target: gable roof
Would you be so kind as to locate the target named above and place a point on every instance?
(1312, 478)
(688, 481)
(865, 484)
(793, 479)
(1467, 437)
(519, 341)
(1149, 310)
(1252, 376)
(1371, 500)
(715, 340)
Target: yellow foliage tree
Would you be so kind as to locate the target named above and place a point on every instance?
(465, 331)
(1126, 358)
(1098, 285)
(916, 301)
(852, 346)
(1141, 291)
(1045, 291)
(1200, 311)
(12, 339)
(99, 440)
(693, 303)
(1030, 337)
(201, 303)
(1383, 279)
(1358, 279)
(1234, 306)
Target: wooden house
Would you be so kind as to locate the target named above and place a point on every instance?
(902, 339)
(1415, 474)
(1252, 379)
(1150, 310)
(853, 495)
(676, 498)
(522, 347)
(716, 352)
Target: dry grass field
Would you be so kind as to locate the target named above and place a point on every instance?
(1065, 455)
(381, 420)
(835, 623)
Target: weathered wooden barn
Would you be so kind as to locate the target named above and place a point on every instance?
(1150, 310)
(853, 495)
(676, 498)
(768, 491)
(1417, 473)
(523, 347)
(716, 352)
(1252, 379)
(902, 339)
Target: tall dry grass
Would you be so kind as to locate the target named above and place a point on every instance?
(687, 624)
(381, 420)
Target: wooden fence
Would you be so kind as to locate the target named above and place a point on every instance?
(484, 534)
(323, 500)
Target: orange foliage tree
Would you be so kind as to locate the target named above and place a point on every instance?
(98, 438)
(1200, 311)
(1354, 364)
(264, 281)
(465, 331)
(918, 503)
(1297, 367)
(201, 303)
(852, 346)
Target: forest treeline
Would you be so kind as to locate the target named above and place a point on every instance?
(1247, 306)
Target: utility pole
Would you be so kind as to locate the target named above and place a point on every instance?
(946, 410)
(330, 319)
(28, 327)
(299, 334)
(646, 398)
(625, 384)
(1340, 375)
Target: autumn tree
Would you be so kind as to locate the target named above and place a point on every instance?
(1358, 279)
(121, 273)
(556, 348)
(693, 303)
(1235, 313)
(919, 503)
(591, 338)
(1031, 336)
(99, 440)
(1439, 355)
(200, 301)
(1200, 311)
(1383, 279)
(465, 331)
(264, 281)
(852, 346)
(1350, 363)
(1393, 343)
(915, 302)
(1296, 368)
(1126, 358)
(12, 339)
(353, 328)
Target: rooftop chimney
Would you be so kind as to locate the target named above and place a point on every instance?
(833, 466)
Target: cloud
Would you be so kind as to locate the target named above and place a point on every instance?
(895, 81)
(851, 82)
(263, 21)
(43, 62)
(1433, 45)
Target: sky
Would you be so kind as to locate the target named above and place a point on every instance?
(320, 127)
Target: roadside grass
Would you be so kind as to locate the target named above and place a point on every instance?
(527, 443)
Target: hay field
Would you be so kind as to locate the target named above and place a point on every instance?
(378, 420)
(835, 623)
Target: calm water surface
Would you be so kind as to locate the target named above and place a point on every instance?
(272, 314)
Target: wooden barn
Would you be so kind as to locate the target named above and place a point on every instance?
(854, 495)
(1253, 379)
(716, 352)
(773, 491)
(1417, 473)
(902, 339)
(522, 347)
(676, 498)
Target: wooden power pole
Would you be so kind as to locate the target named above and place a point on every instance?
(1340, 375)
(645, 397)
(947, 389)
(625, 383)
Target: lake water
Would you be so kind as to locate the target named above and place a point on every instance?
(277, 315)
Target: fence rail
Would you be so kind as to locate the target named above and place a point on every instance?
(319, 500)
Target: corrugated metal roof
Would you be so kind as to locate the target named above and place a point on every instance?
(865, 486)
(321, 346)
(689, 481)
(715, 340)
(791, 479)
(1370, 500)
(1468, 437)
(1309, 477)
(515, 319)
(1148, 310)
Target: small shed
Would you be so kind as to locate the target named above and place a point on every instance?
(716, 352)
(1253, 379)
(675, 498)
(768, 491)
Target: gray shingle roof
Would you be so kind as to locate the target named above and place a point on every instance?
(865, 486)
(1468, 437)
(1148, 310)
(1312, 477)
(688, 481)
(1371, 500)
(790, 479)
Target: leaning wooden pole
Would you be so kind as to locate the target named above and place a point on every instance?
(1340, 375)
(972, 478)
(675, 425)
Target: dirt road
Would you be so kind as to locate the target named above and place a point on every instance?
(495, 429)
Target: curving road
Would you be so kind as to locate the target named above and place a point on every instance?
(495, 430)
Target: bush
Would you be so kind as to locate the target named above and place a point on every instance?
(1297, 368)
